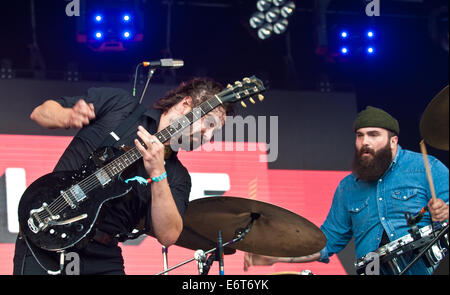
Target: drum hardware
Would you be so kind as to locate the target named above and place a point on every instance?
(220, 251)
(275, 231)
(412, 222)
(424, 250)
(268, 230)
(205, 264)
(165, 251)
(199, 256)
(432, 244)
(305, 272)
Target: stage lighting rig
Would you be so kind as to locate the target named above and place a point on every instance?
(110, 25)
(271, 17)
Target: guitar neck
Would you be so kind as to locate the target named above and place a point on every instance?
(127, 159)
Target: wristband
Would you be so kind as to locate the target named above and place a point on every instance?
(157, 178)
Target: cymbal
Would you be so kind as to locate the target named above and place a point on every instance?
(434, 122)
(190, 239)
(275, 231)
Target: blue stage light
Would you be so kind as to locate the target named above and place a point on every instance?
(126, 35)
(370, 34)
(344, 50)
(370, 50)
(98, 18)
(98, 35)
(126, 17)
(344, 34)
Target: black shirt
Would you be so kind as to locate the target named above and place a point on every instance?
(112, 106)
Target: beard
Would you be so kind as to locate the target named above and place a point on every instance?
(371, 167)
(188, 141)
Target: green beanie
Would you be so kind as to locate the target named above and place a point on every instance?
(375, 117)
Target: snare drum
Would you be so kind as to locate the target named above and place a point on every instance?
(395, 256)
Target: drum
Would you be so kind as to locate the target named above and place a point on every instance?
(395, 256)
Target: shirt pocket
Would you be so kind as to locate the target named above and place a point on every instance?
(406, 200)
(359, 213)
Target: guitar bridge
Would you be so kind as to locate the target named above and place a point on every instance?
(35, 229)
(41, 219)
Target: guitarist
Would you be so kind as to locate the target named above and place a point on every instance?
(160, 204)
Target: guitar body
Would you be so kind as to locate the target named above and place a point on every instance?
(54, 215)
(60, 209)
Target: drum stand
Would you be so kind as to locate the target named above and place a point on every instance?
(165, 250)
(444, 230)
(216, 253)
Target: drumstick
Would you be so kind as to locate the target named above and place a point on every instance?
(427, 167)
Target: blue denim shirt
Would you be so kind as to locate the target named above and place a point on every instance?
(364, 209)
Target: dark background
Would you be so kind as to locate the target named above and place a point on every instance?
(214, 39)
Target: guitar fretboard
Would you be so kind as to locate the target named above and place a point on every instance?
(131, 156)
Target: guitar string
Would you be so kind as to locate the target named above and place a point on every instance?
(60, 203)
(90, 182)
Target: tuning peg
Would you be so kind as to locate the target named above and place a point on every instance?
(252, 100)
(243, 104)
(229, 86)
(246, 80)
(238, 83)
(260, 97)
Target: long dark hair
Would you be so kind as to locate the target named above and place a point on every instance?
(199, 89)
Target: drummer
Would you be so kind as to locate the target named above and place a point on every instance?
(370, 203)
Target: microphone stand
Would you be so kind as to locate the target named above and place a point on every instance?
(149, 76)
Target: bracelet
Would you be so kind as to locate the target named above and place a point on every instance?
(157, 178)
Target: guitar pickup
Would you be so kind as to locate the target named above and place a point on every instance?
(102, 177)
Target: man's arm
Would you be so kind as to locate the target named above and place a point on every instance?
(166, 220)
(439, 209)
(52, 115)
(254, 259)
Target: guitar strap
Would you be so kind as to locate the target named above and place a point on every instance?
(124, 126)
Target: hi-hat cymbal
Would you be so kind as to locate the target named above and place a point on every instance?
(434, 122)
(275, 230)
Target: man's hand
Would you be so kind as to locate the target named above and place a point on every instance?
(52, 115)
(153, 156)
(438, 210)
(80, 115)
(254, 259)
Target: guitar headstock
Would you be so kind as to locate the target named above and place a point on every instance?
(242, 90)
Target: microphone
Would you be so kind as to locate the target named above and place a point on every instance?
(220, 252)
(164, 63)
(414, 219)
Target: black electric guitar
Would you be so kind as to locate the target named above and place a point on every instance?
(59, 209)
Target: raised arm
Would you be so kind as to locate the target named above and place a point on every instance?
(52, 115)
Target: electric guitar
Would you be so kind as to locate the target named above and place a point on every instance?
(60, 209)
